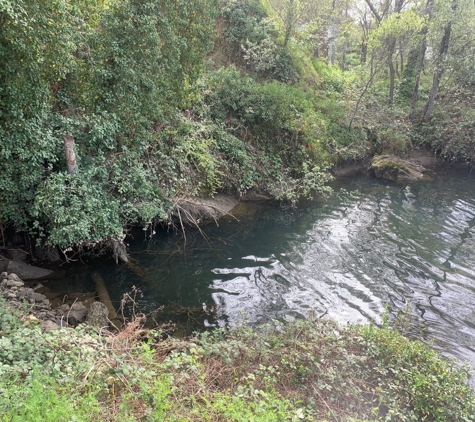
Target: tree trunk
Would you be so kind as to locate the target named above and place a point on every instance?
(420, 63)
(392, 72)
(439, 71)
(289, 22)
(71, 164)
(391, 49)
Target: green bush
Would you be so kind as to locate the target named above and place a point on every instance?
(311, 370)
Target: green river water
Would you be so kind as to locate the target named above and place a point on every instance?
(411, 248)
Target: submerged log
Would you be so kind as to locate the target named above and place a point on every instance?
(104, 297)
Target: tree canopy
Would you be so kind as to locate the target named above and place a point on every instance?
(169, 98)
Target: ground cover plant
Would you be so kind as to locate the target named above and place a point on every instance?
(309, 370)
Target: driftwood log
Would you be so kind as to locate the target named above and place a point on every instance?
(104, 297)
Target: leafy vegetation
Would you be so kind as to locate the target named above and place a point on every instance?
(313, 370)
(182, 98)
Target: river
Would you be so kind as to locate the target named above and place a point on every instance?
(409, 249)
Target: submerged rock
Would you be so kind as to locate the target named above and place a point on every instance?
(389, 167)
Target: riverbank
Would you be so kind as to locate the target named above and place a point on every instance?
(309, 370)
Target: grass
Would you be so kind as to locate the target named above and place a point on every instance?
(312, 370)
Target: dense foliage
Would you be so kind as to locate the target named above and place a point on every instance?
(166, 99)
(313, 370)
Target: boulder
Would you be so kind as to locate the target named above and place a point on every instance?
(27, 272)
(63, 309)
(97, 315)
(18, 254)
(12, 283)
(389, 167)
(48, 254)
(78, 311)
(48, 326)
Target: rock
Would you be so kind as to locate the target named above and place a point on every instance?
(3, 266)
(39, 297)
(97, 315)
(12, 283)
(24, 292)
(27, 272)
(4, 275)
(18, 254)
(78, 311)
(389, 167)
(48, 254)
(62, 309)
(256, 194)
(13, 277)
(48, 326)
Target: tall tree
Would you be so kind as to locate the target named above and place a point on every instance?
(440, 63)
(391, 40)
(422, 53)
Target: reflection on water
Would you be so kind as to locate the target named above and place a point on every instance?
(402, 246)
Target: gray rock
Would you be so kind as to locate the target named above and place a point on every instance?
(13, 283)
(389, 167)
(13, 277)
(27, 272)
(3, 275)
(18, 254)
(62, 309)
(78, 311)
(39, 297)
(97, 315)
(47, 253)
(48, 326)
(24, 292)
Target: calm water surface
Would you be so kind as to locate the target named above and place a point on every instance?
(408, 247)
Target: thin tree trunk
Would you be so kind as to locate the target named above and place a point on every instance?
(71, 163)
(373, 9)
(392, 72)
(420, 63)
(374, 70)
(401, 56)
(391, 49)
(439, 71)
